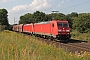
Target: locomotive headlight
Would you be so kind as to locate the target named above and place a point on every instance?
(67, 30)
(59, 30)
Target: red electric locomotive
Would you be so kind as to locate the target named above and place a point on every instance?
(54, 29)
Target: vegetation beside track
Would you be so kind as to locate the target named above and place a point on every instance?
(14, 46)
(80, 36)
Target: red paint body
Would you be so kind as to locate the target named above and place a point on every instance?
(28, 28)
(42, 28)
(51, 28)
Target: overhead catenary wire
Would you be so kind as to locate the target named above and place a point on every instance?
(84, 10)
(75, 5)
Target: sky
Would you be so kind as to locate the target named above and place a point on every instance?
(17, 8)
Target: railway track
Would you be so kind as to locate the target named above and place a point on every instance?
(83, 46)
(72, 46)
(77, 46)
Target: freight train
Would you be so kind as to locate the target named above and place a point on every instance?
(55, 29)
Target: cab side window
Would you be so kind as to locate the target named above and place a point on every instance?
(52, 25)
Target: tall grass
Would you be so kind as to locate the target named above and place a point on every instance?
(80, 36)
(17, 46)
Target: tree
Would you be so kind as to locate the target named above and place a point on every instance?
(33, 18)
(39, 16)
(26, 19)
(58, 16)
(71, 17)
(3, 18)
(82, 22)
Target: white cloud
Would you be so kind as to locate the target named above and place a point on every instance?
(62, 2)
(35, 5)
(19, 8)
(40, 4)
(1, 1)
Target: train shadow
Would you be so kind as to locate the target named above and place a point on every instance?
(76, 41)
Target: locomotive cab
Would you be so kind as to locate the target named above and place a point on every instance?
(63, 30)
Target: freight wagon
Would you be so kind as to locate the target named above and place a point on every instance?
(28, 28)
(18, 28)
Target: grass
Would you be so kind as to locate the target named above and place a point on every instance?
(17, 46)
(80, 36)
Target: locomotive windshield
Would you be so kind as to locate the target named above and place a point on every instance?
(62, 24)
